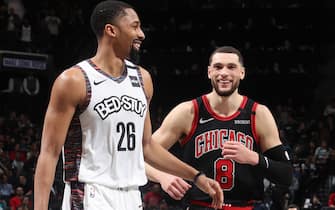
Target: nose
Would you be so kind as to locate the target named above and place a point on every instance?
(141, 34)
(223, 71)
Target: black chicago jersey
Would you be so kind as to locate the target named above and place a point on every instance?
(202, 149)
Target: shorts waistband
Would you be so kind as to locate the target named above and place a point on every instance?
(125, 189)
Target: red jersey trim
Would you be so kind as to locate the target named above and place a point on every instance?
(210, 110)
(253, 122)
(194, 123)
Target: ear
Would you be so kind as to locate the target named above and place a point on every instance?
(242, 73)
(110, 30)
(209, 72)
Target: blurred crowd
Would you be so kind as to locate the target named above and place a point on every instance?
(274, 45)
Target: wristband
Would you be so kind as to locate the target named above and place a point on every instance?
(263, 161)
(195, 179)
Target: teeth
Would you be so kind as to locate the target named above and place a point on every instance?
(225, 81)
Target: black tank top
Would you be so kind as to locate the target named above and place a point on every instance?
(202, 149)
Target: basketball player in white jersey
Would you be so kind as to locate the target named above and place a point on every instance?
(98, 115)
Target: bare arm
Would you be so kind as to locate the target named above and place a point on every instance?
(274, 160)
(154, 153)
(60, 110)
(266, 128)
(176, 125)
(161, 159)
(174, 186)
(268, 135)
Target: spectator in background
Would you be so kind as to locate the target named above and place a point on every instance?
(26, 35)
(316, 203)
(153, 197)
(18, 6)
(26, 204)
(330, 108)
(293, 207)
(331, 198)
(53, 24)
(16, 200)
(329, 114)
(13, 28)
(17, 163)
(321, 156)
(331, 168)
(26, 184)
(6, 188)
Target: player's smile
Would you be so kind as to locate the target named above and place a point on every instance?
(137, 44)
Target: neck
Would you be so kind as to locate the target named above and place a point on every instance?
(225, 105)
(109, 62)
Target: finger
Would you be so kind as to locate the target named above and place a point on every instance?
(215, 194)
(232, 157)
(178, 190)
(231, 143)
(176, 187)
(229, 152)
(175, 194)
(218, 198)
(230, 146)
(184, 185)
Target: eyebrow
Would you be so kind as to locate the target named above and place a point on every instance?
(224, 64)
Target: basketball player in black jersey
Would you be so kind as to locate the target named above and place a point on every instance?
(227, 136)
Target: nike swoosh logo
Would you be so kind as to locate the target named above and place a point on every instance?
(203, 121)
(98, 82)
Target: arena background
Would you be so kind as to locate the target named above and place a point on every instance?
(288, 48)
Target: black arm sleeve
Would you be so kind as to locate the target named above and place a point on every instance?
(276, 165)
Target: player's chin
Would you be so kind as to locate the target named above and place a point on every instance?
(225, 92)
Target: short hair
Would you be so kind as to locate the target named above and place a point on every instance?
(107, 12)
(227, 49)
(293, 206)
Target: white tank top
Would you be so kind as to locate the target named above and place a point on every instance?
(111, 130)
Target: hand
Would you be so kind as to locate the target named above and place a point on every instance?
(238, 152)
(174, 186)
(212, 188)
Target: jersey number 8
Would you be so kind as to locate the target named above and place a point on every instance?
(225, 173)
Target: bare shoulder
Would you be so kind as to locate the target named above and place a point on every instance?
(177, 124)
(70, 78)
(145, 73)
(70, 85)
(147, 82)
(262, 110)
(183, 112)
(186, 107)
(264, 116)
(266, 128)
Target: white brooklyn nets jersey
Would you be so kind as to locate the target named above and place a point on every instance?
(107, 149)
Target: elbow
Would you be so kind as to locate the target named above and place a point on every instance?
(282, 177)
(287, 177)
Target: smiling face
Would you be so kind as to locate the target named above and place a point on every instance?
(225, 72)
(128, 34)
